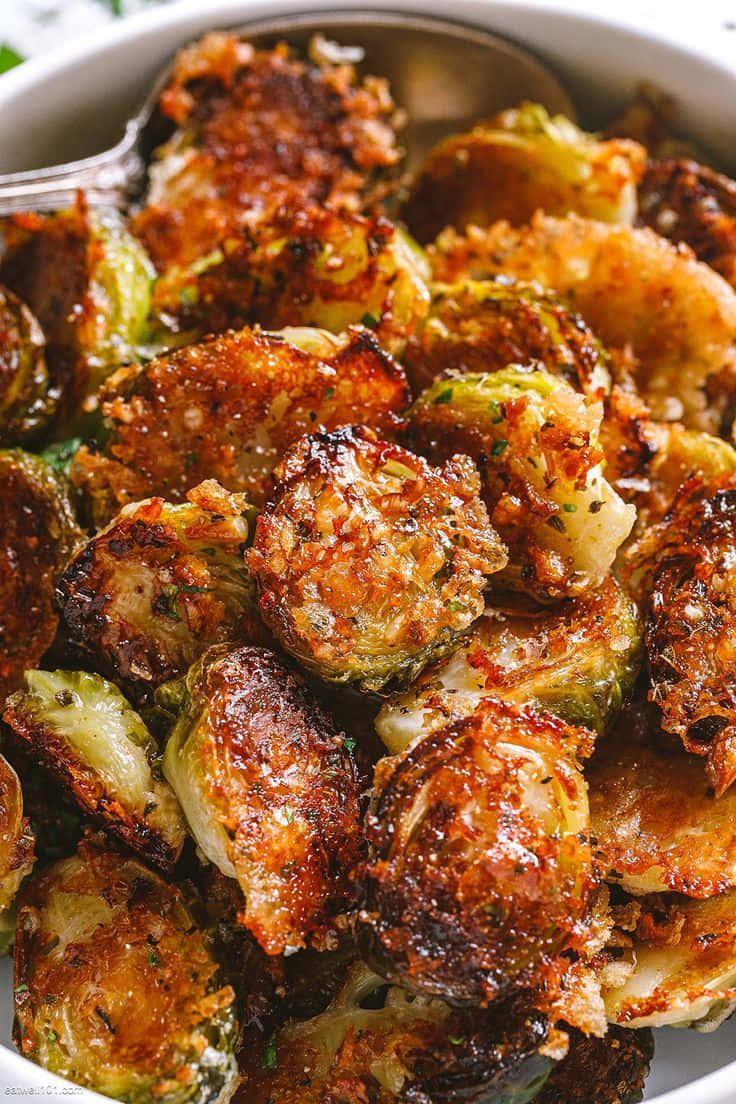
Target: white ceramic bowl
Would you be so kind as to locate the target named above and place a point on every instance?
(72, 102)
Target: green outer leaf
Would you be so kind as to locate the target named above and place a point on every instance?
(9, 58)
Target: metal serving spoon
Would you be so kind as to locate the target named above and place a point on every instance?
(445, 75)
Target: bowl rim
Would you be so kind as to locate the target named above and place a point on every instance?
(716, 1087)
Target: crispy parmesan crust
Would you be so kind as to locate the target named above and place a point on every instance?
(684, 571)
(228, 408)
(16, 837)
(480, 869)
(688, 202)
(611, 1070)
(258, 128)
(368, 560)
(619, 278)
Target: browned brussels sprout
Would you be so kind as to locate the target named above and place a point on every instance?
(270, 792)
(520, 161)
(16, 849)
(535, 441)
(255, 129)
(227, 409)
(683, 358)
(149, 594)
(684, 838)
(39, 534)
(116, 987)
(481, 865)
(379, 1043)
(611, 1070)
(578, 661)
(684, 570)
(309, 267)
(368, 561)
(688, 202)
(88, 281)
(485, 325)
(27, 399)
(83, 731)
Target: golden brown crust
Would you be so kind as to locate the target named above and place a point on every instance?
(611, 1070)
(281, 791)
(260, 127)
(309, 266)
(655, 820)
(27, 399)
(683, 567)
(688, 202)
(227, 408)
(367, 559)
(485, 326)
(618, 278)
(481, 867)
(16, 837)
(39, 534)
(132, 980)
(149, 594)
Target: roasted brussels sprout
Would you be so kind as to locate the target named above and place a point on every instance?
(379, 1043)
(688, 202)
(80, 728)
(270, 792)
(255, 129)
(116, 987)
(611, 1070)
(39, 534)
(485, 325)
(536, 443)
(578, 661)
(309, 267)
(149, 594)
(16, 849)
(27, 400)
(88, 281)
(481, 871)
(618, 277)
(684, 964)
(684, 568)
(228, 408)
(368, 561)
(519, 161)
(654, 819)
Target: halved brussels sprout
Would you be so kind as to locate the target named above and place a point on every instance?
(16, 849)
(27, 400)
(81, 729)
(480, 872)
(654, 818)
(379, 1043)
(579, 662)
(229, 407)
(149, 594)
(688, 202)
(368, 561)
(116, 987)
(684, 357)
(270, 792)
(684, 571)
(88, 281)
(39, 534)
(257, 129)
(684, 965)
(535, 441)
(485, 325)
(611, 1070)
(519, 161)
(309, 267)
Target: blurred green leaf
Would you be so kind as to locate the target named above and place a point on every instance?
(9, 58)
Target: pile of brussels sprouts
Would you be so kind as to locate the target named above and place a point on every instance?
(367, 607)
